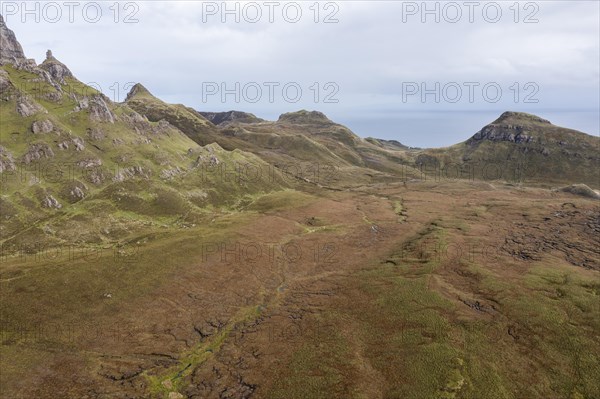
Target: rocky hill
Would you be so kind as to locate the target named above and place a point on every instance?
(522, 147)
(220, 118)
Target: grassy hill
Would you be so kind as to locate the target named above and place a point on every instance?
(70, 156)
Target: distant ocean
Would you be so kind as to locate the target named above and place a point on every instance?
(444, 128)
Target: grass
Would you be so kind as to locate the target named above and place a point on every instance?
(194, 358)
(315, 371)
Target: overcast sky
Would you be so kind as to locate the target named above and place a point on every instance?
(366, 68)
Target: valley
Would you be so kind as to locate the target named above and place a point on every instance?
(150, 250)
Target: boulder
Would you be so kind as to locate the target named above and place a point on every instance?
(42, 126)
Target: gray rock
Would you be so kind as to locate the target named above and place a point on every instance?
(78, 192)
(89, 163)
(11, 51)
(7, 162)
(5, 83)
(78, 143)
(37, 151)
(51, 202)
(95, 134)
(510, 133)
(169, 174)
(99, 111)
(134, 118)
(56, 69)
(130, 172)
(581, 190)
(82, 104)
(95, 176)
(43, 126)
(27, 107)
(54, 96)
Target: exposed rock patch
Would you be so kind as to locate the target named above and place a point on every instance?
(77, 143)
(57, 70)
(37, 151)
(42, 126)
(5, 83)
(99, 111)
(171, 173)
(51, 202)
(510, 133)
(11, 51)
(130, 173)
(7, 162)
(27, 107)
(581, 190)
(95, 134)
(89, 163)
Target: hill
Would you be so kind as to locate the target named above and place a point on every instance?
(521, 147)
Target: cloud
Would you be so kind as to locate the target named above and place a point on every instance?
(370, 54)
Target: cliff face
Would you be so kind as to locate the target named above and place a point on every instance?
(11, 51)
(514, 127)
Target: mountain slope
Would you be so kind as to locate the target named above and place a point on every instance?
(71, 157)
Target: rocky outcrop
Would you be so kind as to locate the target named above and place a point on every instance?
(7, 162)
(222, 118)
(75, 191)
(582, 190)
(5, 83)
(130, 173)
(57, 70)
(95, 134)
(89, 163)
(501, 132)
(77, 143)
(513, 127)
(42, 126)
(37, 151)
(11, 51)
(99, 111)
(51, 202)
(169, 174)
(304, 117)
(27, 107)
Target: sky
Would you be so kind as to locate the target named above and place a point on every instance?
(427, 74)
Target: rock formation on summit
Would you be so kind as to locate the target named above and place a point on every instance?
(55, 68)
